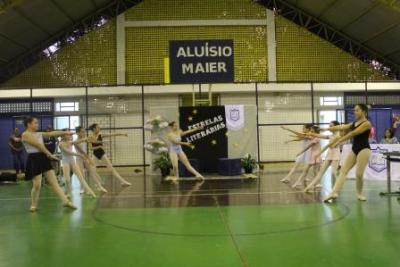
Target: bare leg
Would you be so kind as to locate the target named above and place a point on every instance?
(321, 173)
(114, 171)
(93, 173)
(82, 180)
(189, 167)
(174, 161)
(334, 169)
(67, 179)
(286, 179)
(81, 166)
(52, 180)
(302, 176)
(348, 164)
(362, 161)
(35, 192)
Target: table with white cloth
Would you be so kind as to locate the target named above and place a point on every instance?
(377, 166)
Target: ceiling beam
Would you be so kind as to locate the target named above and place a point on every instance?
(376, 35)
(35, 53)
(327, 8)
(94, 4)
(31, 21)
(62, 10)
(13, 41)
(329, 33)
(362, 14)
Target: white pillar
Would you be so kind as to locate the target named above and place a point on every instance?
(271, 46)
(120, 36)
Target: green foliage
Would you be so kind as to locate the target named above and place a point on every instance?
(162, 162)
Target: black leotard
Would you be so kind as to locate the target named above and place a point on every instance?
(96, 146)
(360, 141)
(99, 141)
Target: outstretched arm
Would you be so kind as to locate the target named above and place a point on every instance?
(114, 134)
(365, 126)
(305, 149)
(330, 144)
(318, 135)
(66, 150)
(28, 138)
(56, 133)
(292, 131)
(294, 140)
(172, 139)
(338, 128)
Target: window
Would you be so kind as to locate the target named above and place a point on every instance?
(331, 100)
(67, 106)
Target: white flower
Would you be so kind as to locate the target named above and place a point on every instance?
(148, 127)
(163, 124)
(163, 149)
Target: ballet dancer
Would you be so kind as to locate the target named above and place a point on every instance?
(69, 164)
(332, 158)
(96, 139)
(86, 164)
(302, 158)
(176, 152)
(314, 147)
(38, 162)
(359, 131)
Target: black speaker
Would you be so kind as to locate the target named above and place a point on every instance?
(8, 177)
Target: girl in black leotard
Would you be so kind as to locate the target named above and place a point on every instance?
(96, 139)
(359, 156)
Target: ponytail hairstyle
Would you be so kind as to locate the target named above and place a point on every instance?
(308, 126)
(316, 128)
(364, 108)
(93, 126)
(28, 120)
(335, 123)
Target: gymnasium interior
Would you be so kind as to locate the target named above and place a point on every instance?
(236, 72)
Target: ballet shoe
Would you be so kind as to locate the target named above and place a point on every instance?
(295, 185)
(33, 209)
(285, 180)
(307, 189)
(361, 198)
(200, 178)
(91, 193)
(69, 205)
(125, 184)
(318, 186)
(330, 197)
(102, 189)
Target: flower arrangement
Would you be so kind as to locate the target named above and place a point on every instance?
(156, 124)
(156, 146)
(163, 163)
(248, 163)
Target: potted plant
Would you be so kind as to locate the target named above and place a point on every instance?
(163, 163)
(248, 163)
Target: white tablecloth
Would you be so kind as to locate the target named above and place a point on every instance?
(377, 167)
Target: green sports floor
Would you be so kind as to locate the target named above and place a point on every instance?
(216, 223)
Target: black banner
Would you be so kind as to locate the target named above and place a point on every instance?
(211, 143)
(201, 61)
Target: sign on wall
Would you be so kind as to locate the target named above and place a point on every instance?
(211, 143)
(201, 61)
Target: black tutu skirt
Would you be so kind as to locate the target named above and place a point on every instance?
(37, 163)
(98, 153)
